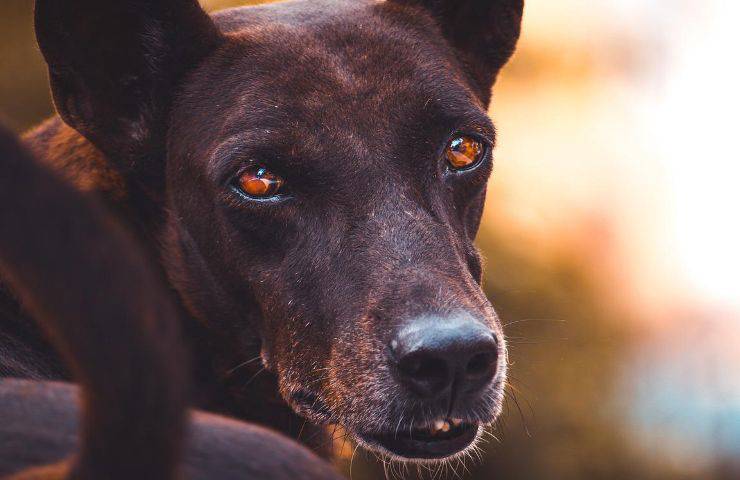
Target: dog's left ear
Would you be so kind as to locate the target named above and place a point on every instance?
(114, 66)
(483, 32)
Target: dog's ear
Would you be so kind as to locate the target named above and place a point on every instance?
(113, 66)
(483, 32)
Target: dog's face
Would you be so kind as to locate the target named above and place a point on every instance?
(324, 167)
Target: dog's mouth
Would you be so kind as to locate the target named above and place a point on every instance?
(437, 440)
(441, 439)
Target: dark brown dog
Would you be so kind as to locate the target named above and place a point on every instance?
(310, 175)
(123, 346)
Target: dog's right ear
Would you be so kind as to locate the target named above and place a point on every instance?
(113, 67)
(483, 32)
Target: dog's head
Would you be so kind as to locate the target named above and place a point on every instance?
(323, 166)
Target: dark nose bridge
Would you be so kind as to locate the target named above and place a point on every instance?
(415, 264)
(407, 229)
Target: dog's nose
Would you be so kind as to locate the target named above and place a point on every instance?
(434, 354)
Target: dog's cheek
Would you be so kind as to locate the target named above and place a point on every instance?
(264, 238)
(292, 353)
(276, 349)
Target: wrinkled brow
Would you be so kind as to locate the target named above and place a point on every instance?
(229, 154)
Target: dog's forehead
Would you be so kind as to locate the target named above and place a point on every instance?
(318, 81)
(343, 68)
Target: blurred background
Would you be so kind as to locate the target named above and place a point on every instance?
(611, 234)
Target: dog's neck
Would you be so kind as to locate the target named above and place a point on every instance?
(76, 159)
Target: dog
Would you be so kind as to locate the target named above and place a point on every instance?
(309, 177)
(123, 346)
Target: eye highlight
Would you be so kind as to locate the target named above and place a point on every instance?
(258, 182)
(464, 151)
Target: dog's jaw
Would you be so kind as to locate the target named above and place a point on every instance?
(312, 407)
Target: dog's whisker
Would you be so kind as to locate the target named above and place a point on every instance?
(243, 364)
(352, 460)
(253, 377)
(523, 320)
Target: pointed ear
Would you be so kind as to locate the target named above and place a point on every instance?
(484, 32)
(113, 66)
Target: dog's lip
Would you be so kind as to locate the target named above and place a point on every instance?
(441, 439)
(423, 444)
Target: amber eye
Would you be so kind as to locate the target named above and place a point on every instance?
(259, 182)
(463, 152)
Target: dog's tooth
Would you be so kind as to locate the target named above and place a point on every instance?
(445, 427)
(438, 425)
(456, 422)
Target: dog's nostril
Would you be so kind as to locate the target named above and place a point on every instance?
(432, 368)
(422, 366)
(424, 373)
(433, 355)
(480, 365)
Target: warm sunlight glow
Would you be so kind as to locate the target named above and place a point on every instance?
(632, 128)
(696, 126)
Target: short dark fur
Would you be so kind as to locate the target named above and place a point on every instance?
(352, 102)
(39, 426)
(128, 326)
(123, 346)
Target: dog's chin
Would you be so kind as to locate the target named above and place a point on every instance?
(430, 444)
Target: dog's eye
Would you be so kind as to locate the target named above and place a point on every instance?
(464, 151)
(259, 182)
